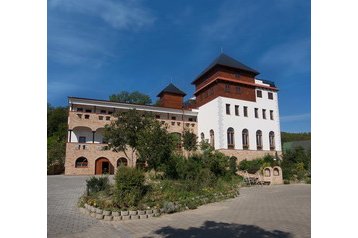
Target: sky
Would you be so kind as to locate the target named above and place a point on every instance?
(100, 47)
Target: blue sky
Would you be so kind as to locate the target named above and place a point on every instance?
(100, 47)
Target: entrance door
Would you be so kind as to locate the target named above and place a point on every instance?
(103, 166)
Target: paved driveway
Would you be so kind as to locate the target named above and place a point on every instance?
(270, 211)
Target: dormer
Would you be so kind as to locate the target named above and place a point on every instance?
(171, 97)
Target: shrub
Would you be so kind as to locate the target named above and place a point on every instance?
(233, 165)
(251, 166)
(95, 185)
(129, 186)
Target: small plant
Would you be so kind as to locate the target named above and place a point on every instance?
(95, 185)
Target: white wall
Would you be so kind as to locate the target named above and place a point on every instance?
(212, 115)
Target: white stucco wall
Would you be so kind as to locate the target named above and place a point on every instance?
(213, 115)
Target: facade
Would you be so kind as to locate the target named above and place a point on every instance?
(233, 110)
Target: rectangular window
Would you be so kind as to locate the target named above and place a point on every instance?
(190, 119)
(174, 118)
(228, 109)
(82, 139)
(270, 95)
(157, 116)
(108, 118)
(88, 110)
(236, 110)
(227, 87)
(271, 115)
(86, 116)
(256, 113)
(259, 93)
(264, 113)
(79, 109)
(100, 117)
(110, 113)
(245, 111)
(103, 111)
(237, 89)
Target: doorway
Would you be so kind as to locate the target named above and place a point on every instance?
(104, 166)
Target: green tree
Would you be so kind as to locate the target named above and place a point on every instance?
(189, 141)
(56, 138)
(155, 145)
(124, 131)
(133, 97)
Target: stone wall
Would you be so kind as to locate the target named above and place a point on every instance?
(249, 154)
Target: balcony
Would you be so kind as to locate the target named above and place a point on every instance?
(95, 121)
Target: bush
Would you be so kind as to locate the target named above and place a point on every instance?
(296, 164)
(129, 186)
(95, 185)
(233, 165)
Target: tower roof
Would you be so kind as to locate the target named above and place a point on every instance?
(226, 60)
(171, 88)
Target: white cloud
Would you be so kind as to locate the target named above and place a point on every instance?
(297, 117)
(122, 15)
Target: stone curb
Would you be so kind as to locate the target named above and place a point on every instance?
(140, 214)
(118, 216)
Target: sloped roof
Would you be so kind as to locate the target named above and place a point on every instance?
(171, 88)
(226, 60)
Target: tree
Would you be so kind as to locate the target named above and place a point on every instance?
(123, 132)
(133, 97)
(190, 141)
(155, 145)
(56, 138)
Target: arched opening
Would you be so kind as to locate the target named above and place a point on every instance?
(81, 162)
(276, 172)
(82, 134)
(267, 172)
(202, 136)
(259, 139)
(212, 140)
(245, 139)
(98, 138)
(230, 138)
(103, 166)
(272, 140)
(122, 161)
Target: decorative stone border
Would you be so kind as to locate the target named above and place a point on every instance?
(118, 216)
(142, 214)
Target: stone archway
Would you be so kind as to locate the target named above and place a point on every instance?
(103, 166)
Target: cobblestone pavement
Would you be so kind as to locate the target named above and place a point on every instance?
(270, 211)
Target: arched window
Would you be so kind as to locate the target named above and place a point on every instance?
(212, 140)
(245, 139)
(81, 162)
(272, 140)
(230, 138)
(259, 139)
(202, 136)
(122, 161)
